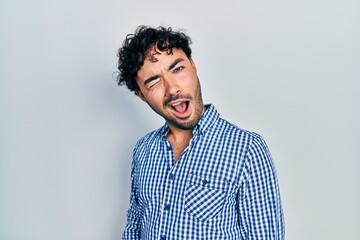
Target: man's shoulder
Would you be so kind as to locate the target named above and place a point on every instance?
(231, 128)
(246, 139)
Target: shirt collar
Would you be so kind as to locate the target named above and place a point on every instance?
(210, 116)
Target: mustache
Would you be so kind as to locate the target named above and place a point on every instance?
(176, 97)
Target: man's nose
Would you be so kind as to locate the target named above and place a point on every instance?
(171, 86)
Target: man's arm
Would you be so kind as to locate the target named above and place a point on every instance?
(133, 228)
(260, 210)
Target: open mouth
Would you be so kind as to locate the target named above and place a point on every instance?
(180, 107)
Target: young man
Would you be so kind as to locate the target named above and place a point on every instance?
(198, 176)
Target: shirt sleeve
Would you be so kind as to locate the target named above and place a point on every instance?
(133, 226)
(260, 210)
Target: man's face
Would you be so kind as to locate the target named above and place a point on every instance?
(171, 88)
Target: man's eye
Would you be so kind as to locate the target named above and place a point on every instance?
(178, 69)
(153, 83)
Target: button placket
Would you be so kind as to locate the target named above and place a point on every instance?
(165, 217)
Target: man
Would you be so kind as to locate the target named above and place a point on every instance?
(198, 176)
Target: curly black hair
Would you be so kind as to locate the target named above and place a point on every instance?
(136, 46)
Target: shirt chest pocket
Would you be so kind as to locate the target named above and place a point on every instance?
(205, 197)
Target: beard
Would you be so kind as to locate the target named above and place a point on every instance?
(190, 122)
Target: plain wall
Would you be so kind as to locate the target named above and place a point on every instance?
(288, 70)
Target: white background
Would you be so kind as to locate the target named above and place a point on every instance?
(288, 70)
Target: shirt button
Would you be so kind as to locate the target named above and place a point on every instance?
(171, 176)
(204, 182)
(162, 237)
(167, 207)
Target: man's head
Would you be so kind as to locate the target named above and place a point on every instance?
(136, 48)
(157, 65)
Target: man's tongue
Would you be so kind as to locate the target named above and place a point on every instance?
(180, 108)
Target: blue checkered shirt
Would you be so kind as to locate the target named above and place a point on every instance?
(223, 186)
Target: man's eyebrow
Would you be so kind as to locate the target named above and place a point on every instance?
(175, 62)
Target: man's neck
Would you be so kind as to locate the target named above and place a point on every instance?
(179, 140)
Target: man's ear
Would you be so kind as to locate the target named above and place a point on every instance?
(140, 94)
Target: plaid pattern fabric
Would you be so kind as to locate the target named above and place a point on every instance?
(223, 186)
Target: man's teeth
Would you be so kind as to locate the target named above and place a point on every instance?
(176, 104)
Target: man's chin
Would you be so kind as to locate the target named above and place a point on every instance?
(183, 125)
(186, 127)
